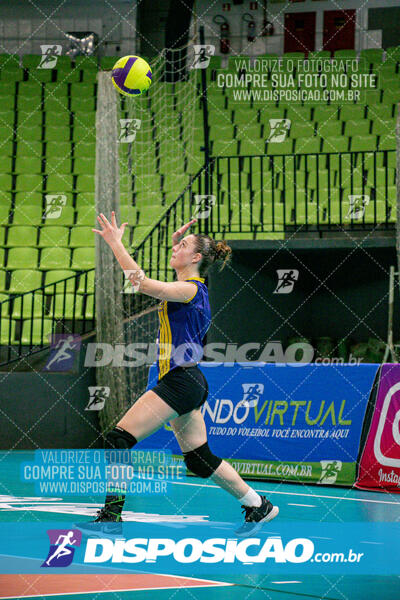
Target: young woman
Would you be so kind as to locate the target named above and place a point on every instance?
(181, 390)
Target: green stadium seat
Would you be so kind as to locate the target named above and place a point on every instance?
(355, 128)
(85, 119)
(86, 282)
(363, 143)
(57, 134)
(381, 177)
(5, 182)
(66, 217)
(37, 332)
(84, 133)
(84, 166)
(386, 127)
(22, 235)
(59, 183)
(243, 132)
(53, 104)
(107, 62)
(20, 258)
(59, 281)
(2, 235)
(299, 114)
(43, 75)
(58, 118)
(86, 199)
(86, 62)
(29, 148)
(372, 55)
(55, 258)
(4, 214)
(252, 147)
(335, 144)
(12, 74)
(225, 148)
(299, 129)
(82, 90)
(59, 150)
(82, 236)
(55, 90)
(27, 215)
(89, 306)
(387, 142)
(83, 149)
(28, 306)
(320, 179)
(2, 280)
(28, 165)
(79, 104)
(28, 133)
(85, 183)
(391, 96)
(83, 258)
(26, 183)
(24, 280)
(330, 128)
(30, 88)
(66, 306)
(352, 112)
(380, 112)
(51, 237)
(285, 147)
(86, 216)
(65, 75)
(58, 165)
(7, 332)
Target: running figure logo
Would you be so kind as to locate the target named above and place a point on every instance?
(128, 130)
(98, 396)
(50, 54)
(286, 280)
(62, 353)
(61, 551)
(251, 393)
(329, 470)
(202, 55)
(54, 205)
(279, 130)
(357, 205)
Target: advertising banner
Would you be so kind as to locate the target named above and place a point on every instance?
(284, 422)
(380, 461)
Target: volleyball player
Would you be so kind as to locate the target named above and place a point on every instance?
(181, 390)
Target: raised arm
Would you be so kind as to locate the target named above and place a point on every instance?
(177, 291)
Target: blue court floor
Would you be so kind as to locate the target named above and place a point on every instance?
(194, 501)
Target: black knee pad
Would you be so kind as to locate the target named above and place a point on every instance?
(202, 461)
(119, 439)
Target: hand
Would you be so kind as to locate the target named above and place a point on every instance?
(110, 233)
(180, 232)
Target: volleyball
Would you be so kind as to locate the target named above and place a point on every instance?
(131, 75)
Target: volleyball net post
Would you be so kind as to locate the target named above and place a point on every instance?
(108, 276)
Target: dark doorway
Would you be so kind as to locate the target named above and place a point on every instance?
(300, 32)
(339, 29)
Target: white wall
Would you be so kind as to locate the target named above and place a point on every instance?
(25, 25)
(205, 11)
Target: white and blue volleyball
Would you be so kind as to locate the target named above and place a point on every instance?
(131, 75)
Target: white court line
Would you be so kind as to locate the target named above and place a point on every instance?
(307, 505)
(375, 543)
(285, 582)
(294, 494)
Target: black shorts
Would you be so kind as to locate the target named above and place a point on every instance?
(183, 389)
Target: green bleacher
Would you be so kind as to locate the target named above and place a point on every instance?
(47, 129)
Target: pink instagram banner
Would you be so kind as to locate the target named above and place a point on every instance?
(380, 461)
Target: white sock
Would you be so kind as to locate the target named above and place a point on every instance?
(251, 498)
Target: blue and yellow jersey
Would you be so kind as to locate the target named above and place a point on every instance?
(183, 326)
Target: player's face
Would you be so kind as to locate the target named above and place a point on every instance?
(182, 253)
